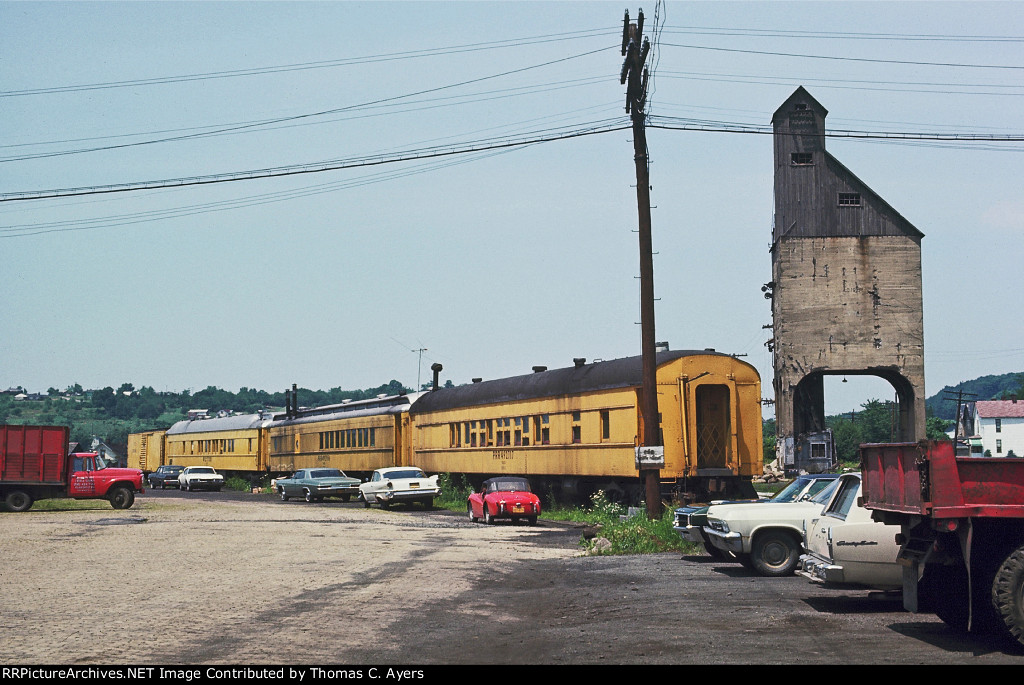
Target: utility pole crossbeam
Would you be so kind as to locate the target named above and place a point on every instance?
(634, 75)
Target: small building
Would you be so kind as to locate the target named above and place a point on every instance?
(1000, 425)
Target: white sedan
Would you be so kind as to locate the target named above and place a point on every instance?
(399, 484)
(845, 547)
(765, 536)
(200, 478)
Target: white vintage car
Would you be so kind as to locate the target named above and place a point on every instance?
(200, 478)
(765, 536)
(399, 484)
(845, 547)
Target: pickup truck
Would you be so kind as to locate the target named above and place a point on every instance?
(961, 540)
(35, 465)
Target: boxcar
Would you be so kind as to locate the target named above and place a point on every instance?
(146, 450)
(356, 437)
(576, 428)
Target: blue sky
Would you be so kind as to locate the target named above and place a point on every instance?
(492, 261)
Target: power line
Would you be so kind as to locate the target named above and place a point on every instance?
(251, 126)
(311, 168)
(847, 59)
(345, 61)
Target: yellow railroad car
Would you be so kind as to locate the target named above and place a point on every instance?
(146, 450)
(576, 428)
(230, 444)
(356, 437)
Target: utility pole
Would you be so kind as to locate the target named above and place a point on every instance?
(419, 366)
(635, 49)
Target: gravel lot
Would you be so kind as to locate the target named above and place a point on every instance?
(228, 578)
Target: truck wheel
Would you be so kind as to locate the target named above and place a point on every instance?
(1008, 594)
(775, 553)
(18, 500)
(121, 498)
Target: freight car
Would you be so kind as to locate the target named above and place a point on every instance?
(575, 429)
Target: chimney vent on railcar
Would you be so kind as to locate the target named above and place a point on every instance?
(436, 368)
(661, 346)
(538, 369)
(579, 361)
(478, 380)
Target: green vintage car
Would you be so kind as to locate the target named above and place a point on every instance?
(314, 485)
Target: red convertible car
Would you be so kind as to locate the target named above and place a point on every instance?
(504, 497)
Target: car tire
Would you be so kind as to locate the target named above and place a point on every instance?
(345, 498)
(532, 520)
(718, 554)
(469, 510)
(488, 519)
(309, 496)
(428, 503)
(284, 496)
(775, 553)
(121, 497)
(366, 502)
(18, 500)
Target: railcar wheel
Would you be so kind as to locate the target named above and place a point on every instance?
(775, 553)
(121, 498)
(1008, 594)
(18, 500)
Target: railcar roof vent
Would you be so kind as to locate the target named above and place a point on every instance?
(579, 361)
(661, 346)
(477, 380)
(538, 369)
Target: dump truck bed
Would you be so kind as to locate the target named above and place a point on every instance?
(928, 479)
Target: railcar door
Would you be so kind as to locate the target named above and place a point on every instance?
(713, 429)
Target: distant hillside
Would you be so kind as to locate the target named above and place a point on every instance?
(984, 388)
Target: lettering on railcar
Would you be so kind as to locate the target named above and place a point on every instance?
(502, 454)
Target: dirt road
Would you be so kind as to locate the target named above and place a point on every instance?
(242, 579)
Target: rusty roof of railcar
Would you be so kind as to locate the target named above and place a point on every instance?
(604, 375)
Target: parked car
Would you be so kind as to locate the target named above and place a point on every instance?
(200, 478)
(165, 475)
(315, 484)
(690, 521)
(399, 484)
(844, 546)
(504, 497)
(766, 537)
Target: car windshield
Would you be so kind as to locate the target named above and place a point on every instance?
(201, 469)
(508, 485)
(408, 473)
(825, 495)
(794, 489)
(326, 473)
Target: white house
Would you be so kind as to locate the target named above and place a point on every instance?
(1000, 423)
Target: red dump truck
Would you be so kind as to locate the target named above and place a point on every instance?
(35, 464)
(962, 531)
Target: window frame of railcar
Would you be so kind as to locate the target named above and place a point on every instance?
(576, 429)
